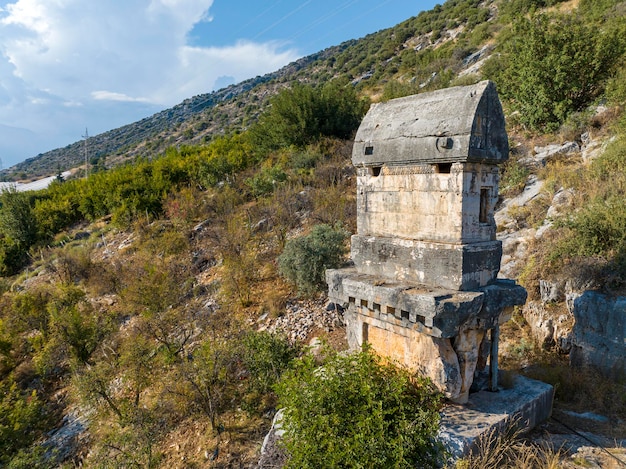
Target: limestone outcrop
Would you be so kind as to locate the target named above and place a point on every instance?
(598, 336)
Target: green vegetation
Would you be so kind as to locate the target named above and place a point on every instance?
(592, 242)
(130, 339)
(141, 288)
(357, 411)
(554, 65)
(21, 420)
(302, 114)
(514, 177)
(305, 259)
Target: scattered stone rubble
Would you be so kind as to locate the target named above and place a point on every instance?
(302, 319)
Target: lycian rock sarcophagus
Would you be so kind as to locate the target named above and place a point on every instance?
(424, 287)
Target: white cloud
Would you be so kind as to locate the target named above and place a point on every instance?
(112, 96)
(67, 55)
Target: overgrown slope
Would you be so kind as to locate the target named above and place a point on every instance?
(132, 301)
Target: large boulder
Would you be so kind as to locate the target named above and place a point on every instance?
(599, 333)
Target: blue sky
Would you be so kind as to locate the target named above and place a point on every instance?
(67, 65)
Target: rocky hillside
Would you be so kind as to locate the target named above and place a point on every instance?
(194, 120)
(147, 312)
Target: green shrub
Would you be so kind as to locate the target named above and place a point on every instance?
(599, 229)
(553, 65)
(302, 114)
(17, 219)
(358, 411)
(20, 419)
(264, 182)
(305, 259)
(304, 160)
(616, 88)
(266, 356)
(514, 176)
(12, 257)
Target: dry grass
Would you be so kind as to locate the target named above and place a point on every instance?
(507, 450)
(566, 7)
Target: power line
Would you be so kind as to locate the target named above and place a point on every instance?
(292, 12)
(325, 18)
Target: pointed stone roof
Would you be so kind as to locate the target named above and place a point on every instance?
(459, 124)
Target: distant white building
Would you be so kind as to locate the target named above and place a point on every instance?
(32, 186)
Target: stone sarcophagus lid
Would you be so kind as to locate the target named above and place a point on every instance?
(424, 287)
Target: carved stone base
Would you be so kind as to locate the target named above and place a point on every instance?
(437, 333)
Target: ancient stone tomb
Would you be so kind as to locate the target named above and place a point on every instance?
(424, 289)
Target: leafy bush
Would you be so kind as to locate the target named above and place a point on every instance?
(304, 160)
(516, 8)
(301, 114)
(207, 378)
(358, 411)
(555, 65)
(17, 220)
(599, 228)
(305, 259)
(12, 257)
(514, 176)
(264, 182)
(266, 356)
(20, 419)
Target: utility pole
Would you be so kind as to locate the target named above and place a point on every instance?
(86, 136)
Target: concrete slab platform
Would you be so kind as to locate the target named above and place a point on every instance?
(527, 403)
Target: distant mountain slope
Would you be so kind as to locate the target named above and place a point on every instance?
(422, 53)
(131, 139)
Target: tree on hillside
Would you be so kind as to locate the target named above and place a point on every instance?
(17, 220)
(554, 65)
(301, 114)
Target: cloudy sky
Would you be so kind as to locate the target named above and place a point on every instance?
(68, 65)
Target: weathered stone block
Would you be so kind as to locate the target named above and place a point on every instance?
(452, 266)
(599, 333)
(421, 203)
(526, 404)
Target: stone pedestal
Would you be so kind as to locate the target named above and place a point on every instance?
(525, 404)
(437, 332)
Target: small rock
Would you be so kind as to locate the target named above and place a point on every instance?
(551, 292)
(262, 225)
(81, 235)
(544, 154)
(334, 307)
(562, 199)
(200, 226)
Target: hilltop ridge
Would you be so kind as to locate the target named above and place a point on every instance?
(368, 63)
